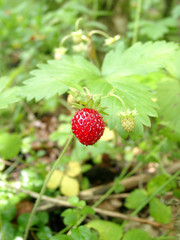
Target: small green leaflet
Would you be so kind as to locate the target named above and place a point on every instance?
(56, 76)
(157, 29)
(136, 198)
(168, 93)
(139, 59)
(159, 211)
(9, 96)
(136, 234)
(107, 230)
(10, 145)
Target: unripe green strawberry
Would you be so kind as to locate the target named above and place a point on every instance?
(127, 120)
(128, 123)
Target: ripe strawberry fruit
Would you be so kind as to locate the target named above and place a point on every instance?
(88, 126)
(128, 123)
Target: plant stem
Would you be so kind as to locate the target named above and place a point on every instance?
(120, 99)
(44, 186)
(77, 23)
(98, 32)
(136, 24)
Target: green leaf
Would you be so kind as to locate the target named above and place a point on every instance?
(8, 213)
(43, 218)
(118, 187)
(70, 216)
(44, 233)
(173, 66)
(169, 96)
(74, 200)
(23, 220)
(136, 234)
(169, 102)
(157, 181)
(107, 230)
(136, 198)
(8, 231)
(3, 82)
(138, 59)
(81, 233)
(176, 11)
(9, 96)
(56, 76)
(10, 145)
(31, 179)
(159, 211)
(156, 30)
(61, 237)
(87, 210)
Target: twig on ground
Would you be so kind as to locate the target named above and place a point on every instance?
(60, 202)
(5, 162)
(33, 235)
(128, 183)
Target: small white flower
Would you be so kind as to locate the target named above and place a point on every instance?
(111, 40)
(81, 47)
(59, 52)
(77, 36)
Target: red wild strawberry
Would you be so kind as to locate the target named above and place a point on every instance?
(88, 126)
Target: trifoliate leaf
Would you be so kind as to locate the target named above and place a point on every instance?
(135, 198)
(136, 234)
(10, 145)
(107, 230)
(159, 211)
(56, 76)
